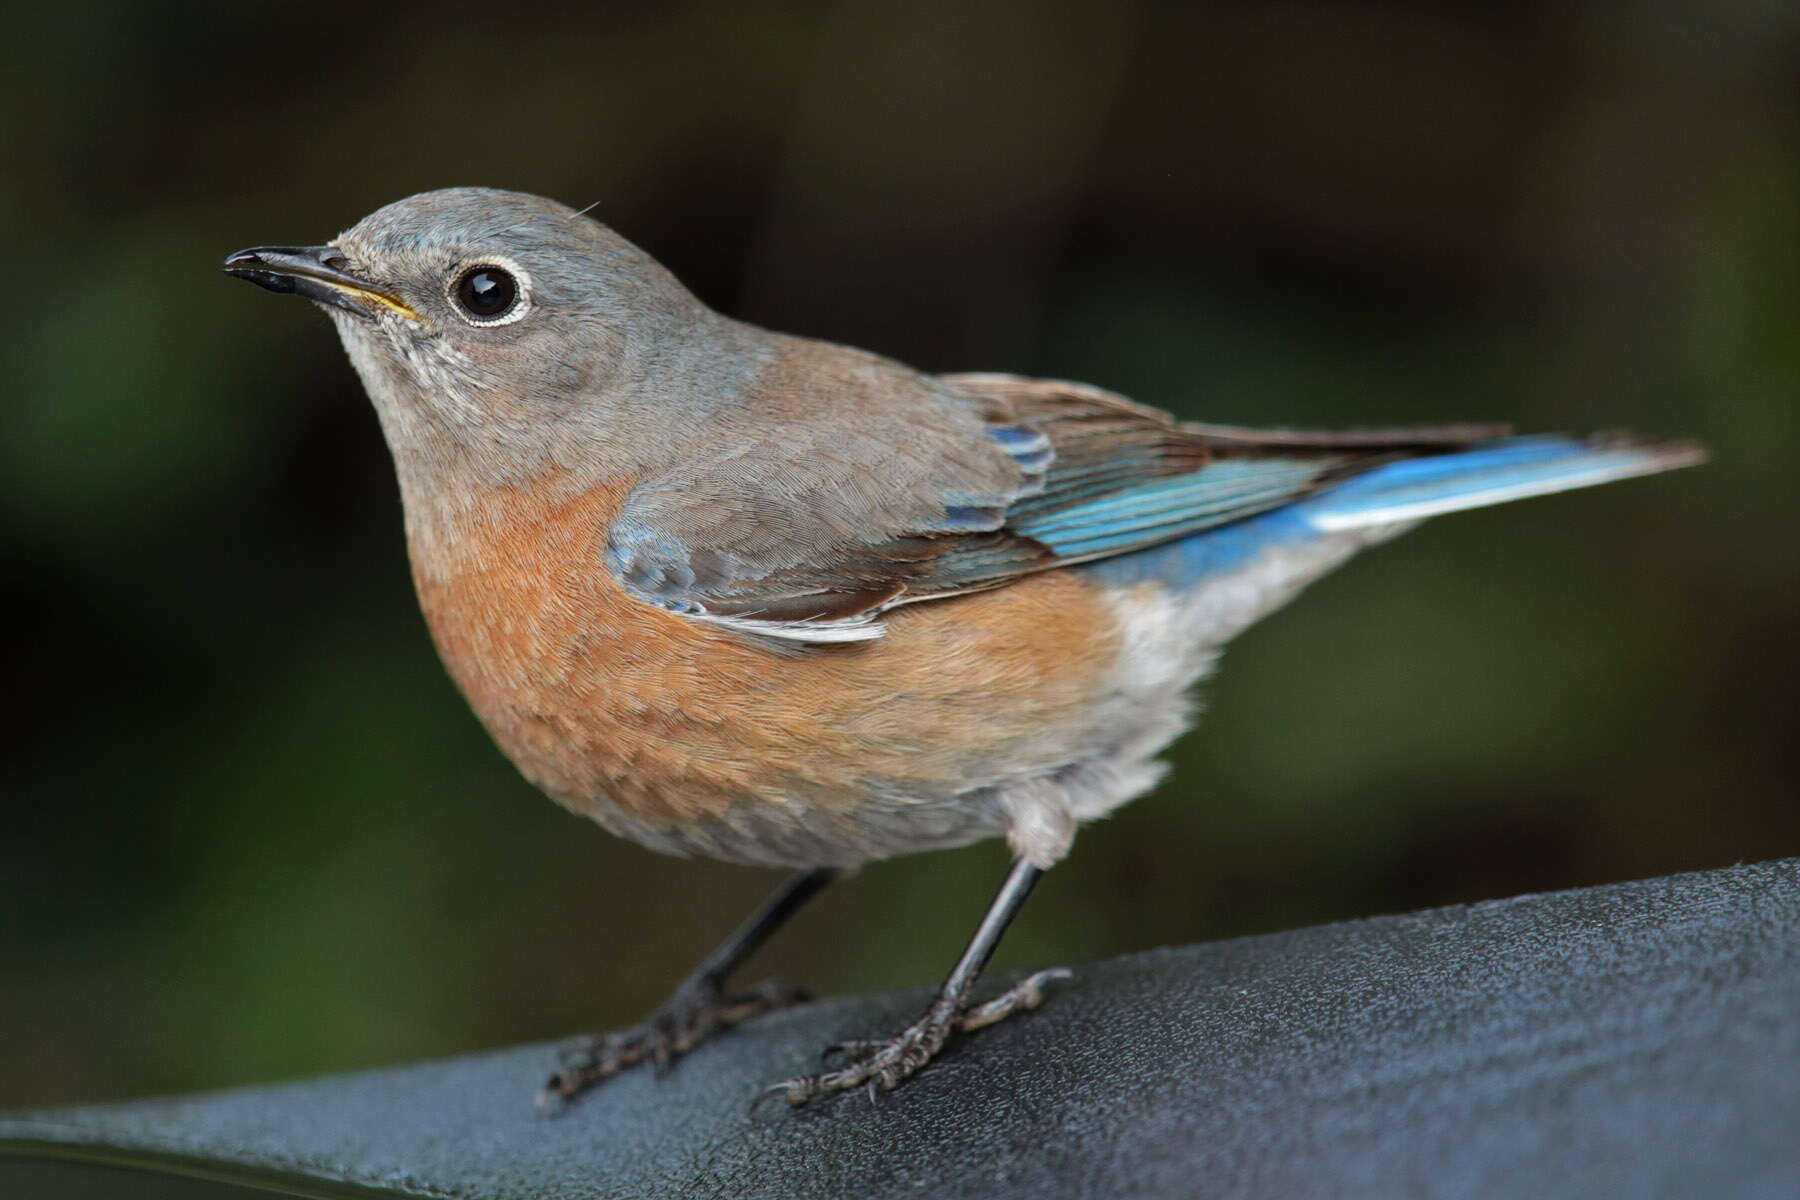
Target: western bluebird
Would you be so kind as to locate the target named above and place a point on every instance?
(736, 593)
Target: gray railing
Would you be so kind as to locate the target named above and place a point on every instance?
(1641, 1039)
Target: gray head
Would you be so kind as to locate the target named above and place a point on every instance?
(499, 333)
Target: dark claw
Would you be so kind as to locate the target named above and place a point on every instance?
(691, 1015)
(851, 1049)
(586, 1050)
(882, 1066)
(774, 1089)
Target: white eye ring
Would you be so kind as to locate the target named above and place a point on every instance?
(467, 305)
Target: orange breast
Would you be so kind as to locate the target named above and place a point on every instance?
(656, 724)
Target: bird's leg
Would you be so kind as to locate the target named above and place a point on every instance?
(696, 1008)
(884, 1064)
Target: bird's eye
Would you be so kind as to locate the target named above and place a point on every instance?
(486, 293)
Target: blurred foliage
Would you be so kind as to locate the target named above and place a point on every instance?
(252, 830)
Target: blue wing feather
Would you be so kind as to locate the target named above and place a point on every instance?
(1221, 492)
(938, 489)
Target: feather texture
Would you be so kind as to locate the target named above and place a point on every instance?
(947, 486)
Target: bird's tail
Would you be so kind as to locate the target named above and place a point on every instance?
(1490, 473)
(1323, 529)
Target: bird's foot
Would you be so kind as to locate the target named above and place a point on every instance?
(884, 1064)
(698, 1008)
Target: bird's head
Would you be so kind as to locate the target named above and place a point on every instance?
(500, 332)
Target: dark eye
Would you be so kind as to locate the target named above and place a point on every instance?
(486, 291)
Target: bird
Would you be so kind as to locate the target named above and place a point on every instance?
(773, 600)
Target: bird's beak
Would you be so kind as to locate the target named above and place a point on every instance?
(316, 272)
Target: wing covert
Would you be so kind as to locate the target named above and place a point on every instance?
(812, 531)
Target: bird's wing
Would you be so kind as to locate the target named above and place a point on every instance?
(811, 530)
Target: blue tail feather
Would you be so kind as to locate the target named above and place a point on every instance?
(1397, 493)
(1509, 469)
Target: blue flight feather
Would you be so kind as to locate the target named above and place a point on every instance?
(1393, 493)
(1508, 469)
(1220, 492)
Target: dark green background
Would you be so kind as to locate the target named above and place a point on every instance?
(252, 832)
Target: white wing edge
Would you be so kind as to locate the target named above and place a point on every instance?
(851, 629)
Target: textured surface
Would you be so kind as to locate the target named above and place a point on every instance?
(1638, 1039)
